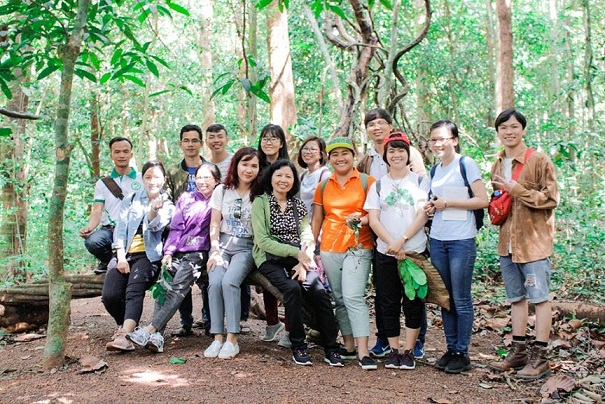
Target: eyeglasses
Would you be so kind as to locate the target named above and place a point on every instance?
(308, 150)
(194, 141)
(440, 141)
(377, 122)
(237, 213)
(204, 178)
(270, 140)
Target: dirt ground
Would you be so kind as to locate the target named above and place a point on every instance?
(261, 373)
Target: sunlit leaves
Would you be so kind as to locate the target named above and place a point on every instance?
(178, 8)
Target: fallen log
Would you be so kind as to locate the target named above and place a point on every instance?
(581, 310)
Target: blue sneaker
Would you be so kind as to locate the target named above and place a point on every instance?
(381, 349)
(419, 349)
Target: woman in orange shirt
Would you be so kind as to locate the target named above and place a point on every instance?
(346, 246)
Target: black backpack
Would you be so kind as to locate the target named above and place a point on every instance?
(479, 213)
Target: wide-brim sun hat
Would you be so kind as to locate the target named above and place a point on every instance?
(337, 142)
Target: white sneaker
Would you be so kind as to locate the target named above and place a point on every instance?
(284, 341)
(228, 351)
(213, 350)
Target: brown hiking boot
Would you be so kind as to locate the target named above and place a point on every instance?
(516, 359)
(119, 342)
(537, 366)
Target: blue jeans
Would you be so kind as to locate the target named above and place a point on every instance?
(455, 261)
(99, 244)
(224, 289)
(526, 280)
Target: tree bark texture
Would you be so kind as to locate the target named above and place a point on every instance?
(13, 227)
(589, 69)
(281, 88)
(504, 85)
(357, 84)
(96, 137)
(491, 70)
(252, 102)
(59, 289)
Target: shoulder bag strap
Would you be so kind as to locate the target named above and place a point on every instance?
(113, 187)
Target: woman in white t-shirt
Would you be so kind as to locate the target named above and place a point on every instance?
(231, 249)
(313, 158)
(452, 238)
(395, 208)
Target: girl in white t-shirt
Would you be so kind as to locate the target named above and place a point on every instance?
(231, 249)
(452, 239)
(395, 209)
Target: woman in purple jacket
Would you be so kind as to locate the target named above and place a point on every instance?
(185, 251)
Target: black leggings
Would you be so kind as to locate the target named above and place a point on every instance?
(123, 294)
(392, 292)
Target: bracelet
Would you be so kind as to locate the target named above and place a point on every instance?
(405, 238)
(444, 204)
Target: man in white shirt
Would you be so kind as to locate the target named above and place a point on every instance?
(109, 192)
(216, 140)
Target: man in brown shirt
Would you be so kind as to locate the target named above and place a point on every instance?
(525, 243)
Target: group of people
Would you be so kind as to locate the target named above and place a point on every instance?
(318, 235)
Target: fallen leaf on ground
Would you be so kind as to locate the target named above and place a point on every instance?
(440, 400)
(575, 324)
(91, 363)
(28, 337)
(556, 383)
(559, 343)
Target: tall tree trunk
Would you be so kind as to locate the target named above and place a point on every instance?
(59, 290)
(358, 81)
(491, 46)
(452, 81)
(252, 102)
(13, 227)
(505, 97)
(326, 54)
(570, 97)
(205, 56)
(96, 135)
(588, 65)
(386, 80)
(281, 88)
(555, 51)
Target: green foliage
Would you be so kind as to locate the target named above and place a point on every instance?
(162, 286)
(413, 278)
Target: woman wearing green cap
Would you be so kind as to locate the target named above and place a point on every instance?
(346, 246)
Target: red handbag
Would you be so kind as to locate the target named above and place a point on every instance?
(501, 201)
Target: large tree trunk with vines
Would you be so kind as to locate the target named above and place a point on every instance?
(59, 289)
(504, 85)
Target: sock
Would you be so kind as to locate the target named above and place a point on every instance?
(541, 344)
(519, 339)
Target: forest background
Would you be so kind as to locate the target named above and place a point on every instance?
(144, 68)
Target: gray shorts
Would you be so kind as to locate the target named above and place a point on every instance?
(529, 280)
